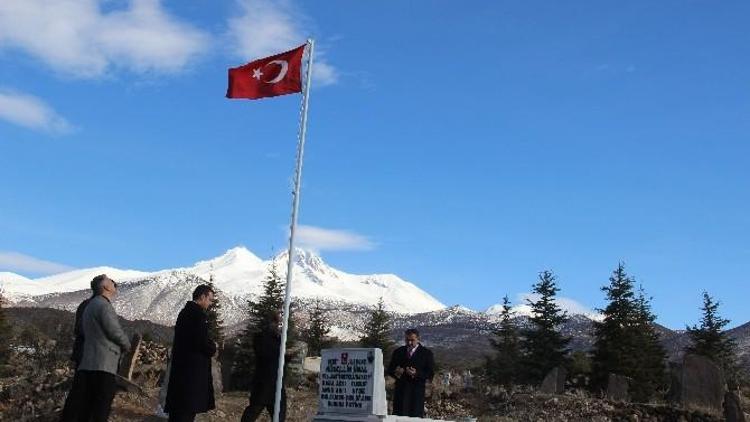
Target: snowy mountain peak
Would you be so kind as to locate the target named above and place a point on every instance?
(237, 256)
(306, 261)
(461, 309)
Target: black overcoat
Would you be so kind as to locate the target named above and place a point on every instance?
(78, 333)
(408, 396)
(266, 346)
(190, 388)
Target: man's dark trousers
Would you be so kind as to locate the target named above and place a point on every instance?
(99, 391)
(75, 400)
(252, 412)
(181, 417)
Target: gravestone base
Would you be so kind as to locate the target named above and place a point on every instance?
(370, 418)
(349, 418)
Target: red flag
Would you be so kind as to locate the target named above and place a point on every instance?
(268, 77)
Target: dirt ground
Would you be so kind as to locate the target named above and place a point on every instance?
(301, 406)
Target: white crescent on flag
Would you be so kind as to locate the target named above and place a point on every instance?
(284, 68)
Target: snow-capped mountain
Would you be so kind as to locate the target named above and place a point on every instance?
(238, 274)
(568, 305)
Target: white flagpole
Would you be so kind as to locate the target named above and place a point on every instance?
(292, 227)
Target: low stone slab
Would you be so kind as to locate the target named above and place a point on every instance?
(618, 387)
(554, 382)
(374, 418)
(699, 384)
(311, 365)
(732, 408)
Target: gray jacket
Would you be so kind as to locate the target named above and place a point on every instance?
(104, 339)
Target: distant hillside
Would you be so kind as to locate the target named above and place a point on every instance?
(52, 322)
(459, 337)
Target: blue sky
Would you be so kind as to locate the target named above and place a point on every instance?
(464, 146)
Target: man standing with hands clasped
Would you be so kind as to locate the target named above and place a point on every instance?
(190, 389)
(411, 365)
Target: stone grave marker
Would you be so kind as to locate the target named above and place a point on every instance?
(554, 382)
(352, 385)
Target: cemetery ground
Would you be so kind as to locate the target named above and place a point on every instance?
(34, 390)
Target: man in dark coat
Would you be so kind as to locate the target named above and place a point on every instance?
(412, 366)
(77, 354)
(266, 346)
(190, 389)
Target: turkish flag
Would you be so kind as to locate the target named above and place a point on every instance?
(268, 77)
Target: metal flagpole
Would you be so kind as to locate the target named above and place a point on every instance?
(292, 227)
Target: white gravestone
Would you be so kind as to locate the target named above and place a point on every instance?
(352, 385)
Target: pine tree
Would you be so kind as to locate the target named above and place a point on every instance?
(215, 322)
(651, 372)
(502, 368)
(317, 331)
(5, 332)
(626, 342)
(377, 329)
(543, 346)
(259, 312)
(709, 339)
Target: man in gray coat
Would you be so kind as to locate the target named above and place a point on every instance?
(104, 343)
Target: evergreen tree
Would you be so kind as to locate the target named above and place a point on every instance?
(377, 329)
(543, 346)
(502, 368)
(651, 372)
(260, 310)
(626, 342)
(709, 339)
(215, 322)
(316, 335)
(6, 332)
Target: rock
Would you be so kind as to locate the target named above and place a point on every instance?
(699, 384)
(732, 408)
(522, 397)
(617, 387)
(468, 380)
(216, 376)
(128, 386)
(554, 382)
(311, 365)
(130, 359)
(165, 385)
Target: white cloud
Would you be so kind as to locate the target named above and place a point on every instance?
(17, 262)
(265, 27)
(31, 112)
(320, 239)
(323, 73)
(77, 37)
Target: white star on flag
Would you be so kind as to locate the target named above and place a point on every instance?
(257, 73)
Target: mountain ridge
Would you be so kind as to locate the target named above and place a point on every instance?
(238, 274)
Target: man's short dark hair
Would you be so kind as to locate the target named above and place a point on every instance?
(202, 290)
(97, 284)
(411, 331)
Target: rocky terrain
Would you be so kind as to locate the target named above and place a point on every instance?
(34, 385)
